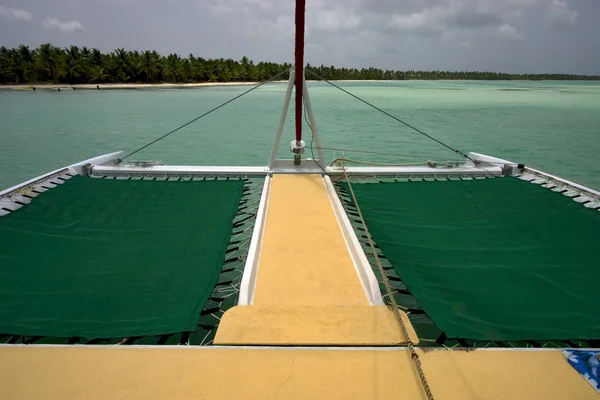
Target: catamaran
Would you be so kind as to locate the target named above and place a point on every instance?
(301, 279)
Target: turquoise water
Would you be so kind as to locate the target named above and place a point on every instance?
(553, 126)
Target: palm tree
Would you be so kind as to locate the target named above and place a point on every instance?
(73, 52)
(97, 74)
(86, 65)
(16, 69)
(74, 64)
(196, 68)
(172, 67)
(148, 64)
(47, 61)
(70, 68)
(96, 57)
(123, 77)
(3, 64)
(25, 53)
(121, 60)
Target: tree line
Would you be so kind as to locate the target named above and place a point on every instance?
(72, 65)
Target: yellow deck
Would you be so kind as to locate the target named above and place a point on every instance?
(307, 289)
(307, 293)
(311, 325)
(304, 259)
(201, 373)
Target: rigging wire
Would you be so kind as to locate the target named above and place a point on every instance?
(377, 153)
(429, 163)
(312, 139)
(391, 116)
(390, 293)
(204, 115)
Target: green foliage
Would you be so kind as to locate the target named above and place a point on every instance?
(82, 65)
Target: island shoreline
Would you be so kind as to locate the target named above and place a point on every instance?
(191, 85)
(118, 86)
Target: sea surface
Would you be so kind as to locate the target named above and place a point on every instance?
(553, 126)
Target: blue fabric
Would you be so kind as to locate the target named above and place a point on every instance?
(587, 363)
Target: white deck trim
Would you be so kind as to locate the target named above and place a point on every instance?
(313, 122)
(248, 283)
(493, 160)
(73, 168)
(284, 111)
(97, 160)
(565, 181)
(408, 172)
(31, 181)
(301, 348)
(308, 167)
(359, 259)
(489, 159)
(126, 170)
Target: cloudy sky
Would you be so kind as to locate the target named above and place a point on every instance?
(495, 35)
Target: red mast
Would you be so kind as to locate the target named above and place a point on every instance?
(300, 12)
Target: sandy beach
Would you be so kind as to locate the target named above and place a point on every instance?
(115, 86)
(108, 86)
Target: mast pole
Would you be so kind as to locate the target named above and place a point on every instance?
(298, 146)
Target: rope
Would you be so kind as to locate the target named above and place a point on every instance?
(428, 163)
(312, 139)
(205, 114)
(388, 288)
(377, 152)
(391, 116)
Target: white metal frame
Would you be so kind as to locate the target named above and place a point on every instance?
(76, 168)
(248, 283)
(499, 161)
(408, 172)
(17, 196)
(287, 167)
(562, 180)
(286, 106)
(273, 161)
(313, 122)
(126, 170)
(359, 259)
(291, 348)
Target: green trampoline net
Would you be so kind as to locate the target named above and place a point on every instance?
(99, 258)
(494, 259)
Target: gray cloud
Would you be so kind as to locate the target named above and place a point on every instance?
(67, 27)
(508, 32)
(473, 20)
(14, 14)
(499, 35)
(560, 14)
